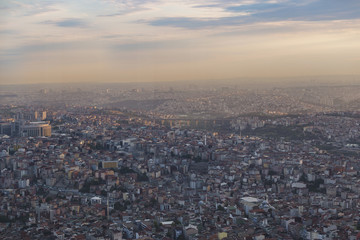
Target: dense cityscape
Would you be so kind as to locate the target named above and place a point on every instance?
(179, 120)
(172, 164)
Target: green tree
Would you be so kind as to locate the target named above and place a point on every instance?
(220, 208)
(119, 207)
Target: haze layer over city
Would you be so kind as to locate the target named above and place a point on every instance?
(173, 120)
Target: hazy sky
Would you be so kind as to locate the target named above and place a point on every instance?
(136, 40)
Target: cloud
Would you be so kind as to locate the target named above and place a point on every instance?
(271, 11)
(139, 46)
(7, 32)
(310, 10)
(197, 23)
(125, 7)
(205, 34)
(68, 23)
(124, 12)
(35, 48)
(40, 11)
(28, 8)
(151, 45)
(254, 7)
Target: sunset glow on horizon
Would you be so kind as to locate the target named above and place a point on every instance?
(156, 40)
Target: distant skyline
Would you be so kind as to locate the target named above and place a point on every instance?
(145, 41)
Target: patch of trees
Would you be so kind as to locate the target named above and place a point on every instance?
(86, 186)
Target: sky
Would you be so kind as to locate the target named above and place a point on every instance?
(170, 40)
